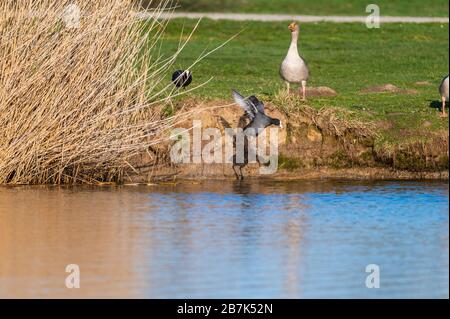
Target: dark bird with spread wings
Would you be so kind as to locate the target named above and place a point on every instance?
(254, 111)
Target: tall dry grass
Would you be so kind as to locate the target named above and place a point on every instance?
(76, 104)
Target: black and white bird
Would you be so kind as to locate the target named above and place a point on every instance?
(254, 111)
(181, 78)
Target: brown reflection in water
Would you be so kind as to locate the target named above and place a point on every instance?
(43, 230)
(106, 232)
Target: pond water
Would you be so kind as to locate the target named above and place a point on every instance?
(251, 239)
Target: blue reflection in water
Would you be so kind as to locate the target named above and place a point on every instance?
(300, 244)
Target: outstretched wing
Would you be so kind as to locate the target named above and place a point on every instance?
(249, 108)
(257, 103)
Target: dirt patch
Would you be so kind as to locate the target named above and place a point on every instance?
(395, 113)
(388, 88)
(427, 124)
(422, 83)
(385, 125)
(320, 91)
(316, 91)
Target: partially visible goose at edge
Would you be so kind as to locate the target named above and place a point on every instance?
(443, 90)
(294, 69)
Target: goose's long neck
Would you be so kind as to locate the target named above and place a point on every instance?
(293, 49)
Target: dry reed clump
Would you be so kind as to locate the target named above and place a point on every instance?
(331, 120)
(78, 100)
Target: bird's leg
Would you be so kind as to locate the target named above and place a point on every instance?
(235, 173)
(261, 160)
(443, 108)
(304, 90)
(242, 175)
(288, 85)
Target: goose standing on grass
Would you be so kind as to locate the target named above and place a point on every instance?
(443, 90)
(254, 111)
(294, 69)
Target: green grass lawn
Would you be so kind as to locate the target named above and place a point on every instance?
(345, 57)
(320, 7)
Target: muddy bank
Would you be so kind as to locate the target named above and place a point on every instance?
(225, 172)
(312, 145)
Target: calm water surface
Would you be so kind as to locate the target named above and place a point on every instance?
(226, 240)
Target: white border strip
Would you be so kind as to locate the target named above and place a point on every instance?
(285, 17)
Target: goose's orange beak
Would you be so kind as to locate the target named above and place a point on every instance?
(292, 26)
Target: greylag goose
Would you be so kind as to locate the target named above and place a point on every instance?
(294, 69)
(254, 111)
(443, 90)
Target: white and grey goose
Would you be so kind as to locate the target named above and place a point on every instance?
(443, 90)
(294, 69)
